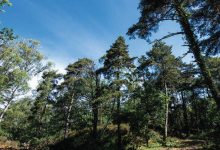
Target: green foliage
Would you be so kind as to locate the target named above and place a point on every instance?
(100, 107)
(76, 95)
(193, 19)
(3, 3)
(16, 120)
(117, 59)
(6, 35)
(41, 111)
(117, 106)
(20, 60)
(202, 15)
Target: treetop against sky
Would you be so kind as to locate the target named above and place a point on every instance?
(69, 30)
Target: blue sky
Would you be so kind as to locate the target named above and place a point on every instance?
(72, 29)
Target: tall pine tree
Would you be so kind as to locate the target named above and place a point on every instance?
(117, 63)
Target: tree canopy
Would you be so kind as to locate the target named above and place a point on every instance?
(153, 101)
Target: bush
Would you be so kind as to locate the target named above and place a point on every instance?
(155, 137)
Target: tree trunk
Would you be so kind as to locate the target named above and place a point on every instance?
(119, 114)
(185, 116)
(166, 116)
(119, 124)
(4, 110)
(194, 47)
(67, 122)
(8, 104)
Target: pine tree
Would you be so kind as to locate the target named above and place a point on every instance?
(76, 94)
(164, 68)
(117, 63)
(41, 111)
(187, 14)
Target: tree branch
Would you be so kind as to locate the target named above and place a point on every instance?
(167, 36)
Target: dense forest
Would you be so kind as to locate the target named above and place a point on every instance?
(155, 101)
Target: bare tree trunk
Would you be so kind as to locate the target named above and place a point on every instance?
(166, 116)
(67, 122)
(194, 47)
(4, 110)
(8, 104)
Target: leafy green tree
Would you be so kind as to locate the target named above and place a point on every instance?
(42, 109)
(6, 36)
(19, 62)
(185, 13)
(149, 110)
(78, 92)
(184, 87)
(96, 101)
(162, 95)
(84, 69)
(16, 124)
(164, 68)
(117, 64)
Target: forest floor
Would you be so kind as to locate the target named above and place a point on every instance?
(187, 144)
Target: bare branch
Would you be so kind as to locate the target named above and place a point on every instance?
(167, 36)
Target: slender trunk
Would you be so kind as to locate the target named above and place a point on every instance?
(67, 122)
(166, 116)
(8, 104)
(185, 116)
(119, 114)
(119, 124)
(194, 47)
(4, 110)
